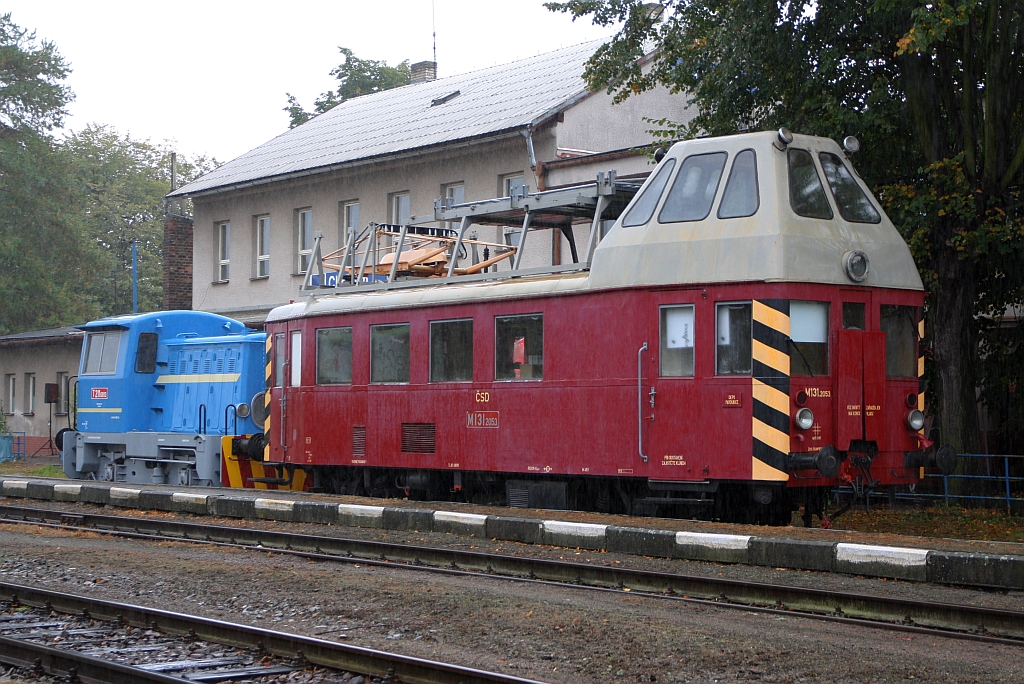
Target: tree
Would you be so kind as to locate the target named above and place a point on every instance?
(931, 87)
(355, 77)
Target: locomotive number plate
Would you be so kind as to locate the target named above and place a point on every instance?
(481, 419)
(98, 393)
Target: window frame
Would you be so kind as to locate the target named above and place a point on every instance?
(395, 210)
(668, 167)
(799, 356)
(151, 362)
(318, 355)
(821, 186)
(505, 182)
(30, 395)
(851, 177)
(662, 347)
(346, 224)
(303, 251)
(746, 302)
(88, 341)
(914, 319)
(295, 358)
(11, 393)
(497, 318)
(261, 247)
(223, 237)
(472, 349)
(667, 194)
(279, 358)
(728, 181)
(447, 192)
(62, 402)
(408, 351)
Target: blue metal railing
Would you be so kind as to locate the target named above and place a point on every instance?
(17, 451)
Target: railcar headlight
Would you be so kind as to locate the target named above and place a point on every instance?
(915, 420)
(856, 265)
(804, 418)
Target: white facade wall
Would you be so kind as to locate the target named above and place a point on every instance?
(46, 360)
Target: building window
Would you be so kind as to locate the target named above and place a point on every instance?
(511, 183)
(10, 384)
(349, 222)
(223, 251)
(389, 353)
(30, 394)
(451, 351)
(401, 209)
(295, 363)
(334, 356)
(734, 348)
(262, 246)
(101, 351)
(304, 238)
(62, 401)
(676, 357)
(808, 330)
(519, 347)
(280, 356)
(455, 193)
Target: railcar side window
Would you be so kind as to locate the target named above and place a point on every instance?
(389, 353)
(334, 356)
(694, 188)
(808, 330)
(451, 351)
(854, 206)
(295, 364)
(145, 355)
(741, 197)
(899, 323)
(643, 209)
(806, 195)
(853, 316)
(733, 353)
(101, 350)
(279, 359)
(519, 347)
(676, 355)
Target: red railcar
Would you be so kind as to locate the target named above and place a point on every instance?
(743, 338)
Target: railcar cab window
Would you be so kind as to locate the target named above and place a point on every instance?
(808, 331)
(647, 201)
(733, 354)
(741, 196)
(451, 351)
(334, 356)
(806, 195)
(676, 354)
(519, 347)
(280, 354)
(101, 351)
(853, 316)
(854, 205)
(295, 362)
(145, 355)
(899, 323)
(694, 188)
(389, 353)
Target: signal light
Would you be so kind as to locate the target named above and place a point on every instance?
(804, 418)
(915, 420)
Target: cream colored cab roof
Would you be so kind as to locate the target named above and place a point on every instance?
(775, 244)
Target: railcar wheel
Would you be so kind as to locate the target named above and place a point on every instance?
(59, 439)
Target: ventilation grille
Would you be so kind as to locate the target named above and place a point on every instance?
(231, 365)
(518, 496)
(419, 438)
(172, 366)
(206, 365)
(359, 441)
(220, 364)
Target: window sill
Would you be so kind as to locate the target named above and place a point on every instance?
(259, 277)
(61, 414)
(29, 413)
(220, 282)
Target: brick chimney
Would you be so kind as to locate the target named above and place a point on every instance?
(423, 72)
(177, 249)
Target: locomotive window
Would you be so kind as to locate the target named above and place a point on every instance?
(806, 195)
(145, 355)
(741, 197)
(853, 316)
(854, 205)
(900, 326)
(733, 353)
(676, 356)
(334, 356)
(808, 332)
(519, 347)
(694, 188)
(279, 359)
(295, 366)
(101, 353)
(451, 351)
(389, 353)
(645, 204)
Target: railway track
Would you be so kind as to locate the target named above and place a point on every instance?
(92, 640)
(938, 619)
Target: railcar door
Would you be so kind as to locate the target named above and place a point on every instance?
(860, 381)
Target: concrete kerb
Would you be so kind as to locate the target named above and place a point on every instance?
(521, 530)
(16, 488)
(187, 502)
(408, 519)
(319, 512)
(640, 542)
(233, 506)
(578, 535)
(274, 509)
(39, 490)
(976, 570)
(124, 497)
(800, 554)
(465, 524)
(94, 493)
(882, 561)
(156, 500)
(719, 548)
(356, 515)
(67, 492)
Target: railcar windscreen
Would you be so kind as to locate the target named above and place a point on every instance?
(519, 347)
(101, 352)
(806, 195)
(853, 316)
(451, 351)
(279, 359)
(145, 355)
(676, 355)
(645, 204)
(389, 353)
(899, 323)
(741, 196)
(733, 353)
(334, 356)
(854, 206)
(808, 332)
(694, 188)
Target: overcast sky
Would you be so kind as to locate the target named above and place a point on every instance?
(212, 76)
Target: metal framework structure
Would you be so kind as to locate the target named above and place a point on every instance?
(385, 256)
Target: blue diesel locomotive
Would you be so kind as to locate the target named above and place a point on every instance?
(157, 394)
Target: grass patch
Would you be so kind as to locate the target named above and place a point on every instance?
(23, 468)
(952, 522)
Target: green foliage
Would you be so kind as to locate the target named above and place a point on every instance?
(4, 429)
(355, 77)
(32, 93)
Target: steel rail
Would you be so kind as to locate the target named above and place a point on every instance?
(959, 621)
(74, 666)
(315, 651)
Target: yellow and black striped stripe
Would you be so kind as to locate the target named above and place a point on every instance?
(266, 396)
(770, 390)
(920, 376)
